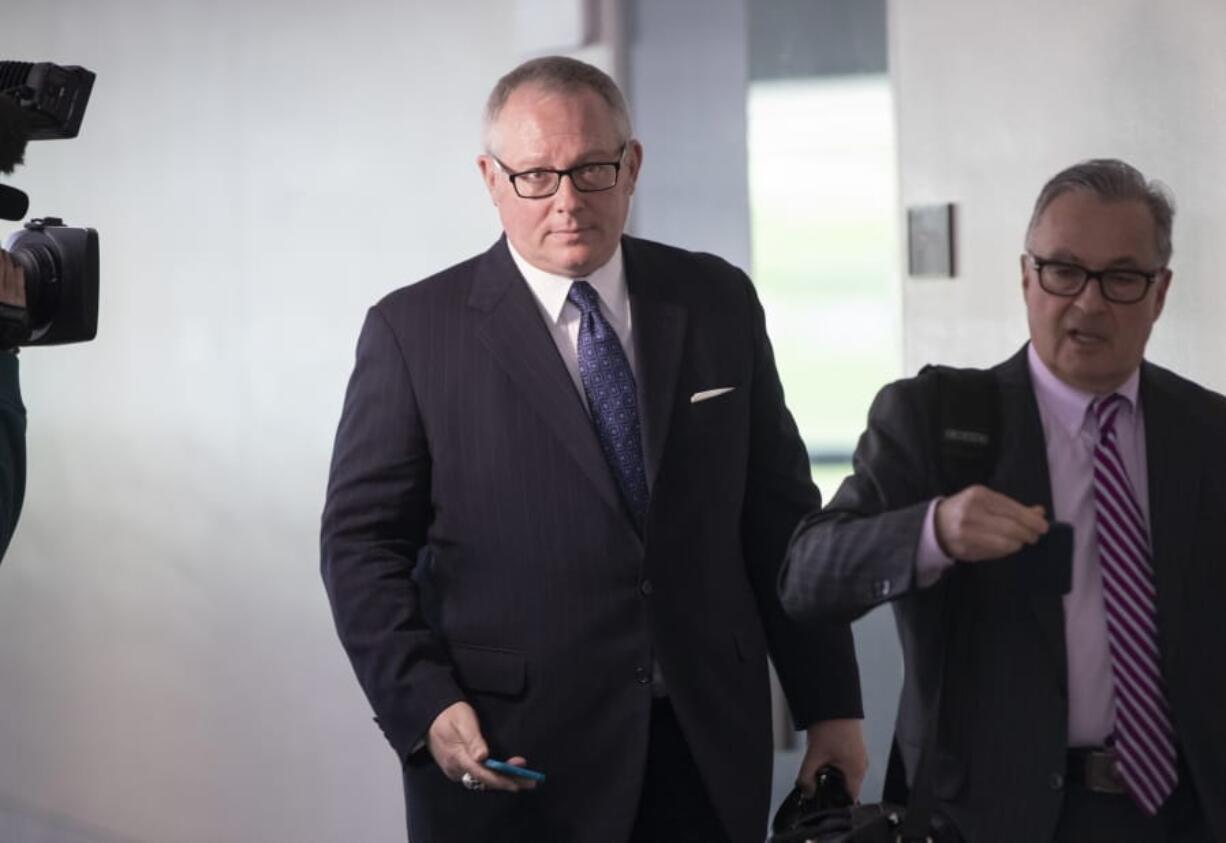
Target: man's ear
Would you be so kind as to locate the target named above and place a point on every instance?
(489, 174)
(634, 163)
(1163, 283)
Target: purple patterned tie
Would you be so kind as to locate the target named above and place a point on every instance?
(1144, 739)
(612, 397)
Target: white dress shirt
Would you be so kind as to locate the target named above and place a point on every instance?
(562, 318)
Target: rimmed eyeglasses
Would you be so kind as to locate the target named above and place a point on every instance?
(543, 182)
(1122, 286)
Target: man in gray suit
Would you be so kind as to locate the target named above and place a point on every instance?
(1091, 715)
(579, 441)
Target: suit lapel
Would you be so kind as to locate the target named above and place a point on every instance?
(1022, 474)
(659, 332)
(515, 333)
(1174, 478)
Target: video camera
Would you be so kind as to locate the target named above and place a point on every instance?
(45, 101)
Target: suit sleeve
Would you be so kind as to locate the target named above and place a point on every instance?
(860, 550)
(815, 659)
(12, 449)
(374, 524)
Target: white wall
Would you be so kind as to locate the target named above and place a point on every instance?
(996, 96)
(260, 172)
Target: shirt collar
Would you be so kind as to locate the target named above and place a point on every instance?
(609, 281)
(1066, 404)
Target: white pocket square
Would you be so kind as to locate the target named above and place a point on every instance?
(710, 393)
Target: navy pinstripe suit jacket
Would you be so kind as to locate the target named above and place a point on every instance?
(464, 446)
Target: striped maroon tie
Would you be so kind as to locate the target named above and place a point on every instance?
(1144, 739)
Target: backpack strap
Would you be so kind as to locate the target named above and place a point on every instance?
(967, 433)
(968, 425)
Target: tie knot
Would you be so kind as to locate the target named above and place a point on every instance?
(584, 296)
(1106, 410)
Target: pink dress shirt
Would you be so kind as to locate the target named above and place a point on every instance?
(1070, 432)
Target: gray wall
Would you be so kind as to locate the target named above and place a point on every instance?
(687, 66)
(798, 38)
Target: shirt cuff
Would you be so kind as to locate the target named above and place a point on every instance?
(930, 561)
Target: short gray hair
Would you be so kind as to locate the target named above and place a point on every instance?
(1112, 180)
(559, 74)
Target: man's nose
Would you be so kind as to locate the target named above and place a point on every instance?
(568, 196)
(1091, 296)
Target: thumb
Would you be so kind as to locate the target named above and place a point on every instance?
(474, 743)
(806, 777)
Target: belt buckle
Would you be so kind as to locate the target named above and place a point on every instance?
(1101, 775)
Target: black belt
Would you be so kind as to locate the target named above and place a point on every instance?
(1094, 769)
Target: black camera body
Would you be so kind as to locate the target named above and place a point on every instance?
(45, 101)
(63, 302)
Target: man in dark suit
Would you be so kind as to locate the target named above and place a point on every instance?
(1091, 715)
(561, 490)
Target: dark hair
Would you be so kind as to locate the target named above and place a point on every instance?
(1113, 180)
(12, 134)
(557, 73)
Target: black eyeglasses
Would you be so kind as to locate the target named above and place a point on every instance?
(1122, 286)
(543, 182)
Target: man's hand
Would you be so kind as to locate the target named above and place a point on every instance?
(837, 742)
(12, 281)
(455, 742)
(978, 524)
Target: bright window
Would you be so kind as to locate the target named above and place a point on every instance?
(825, 250)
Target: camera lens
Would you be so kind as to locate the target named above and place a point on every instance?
(40, 265)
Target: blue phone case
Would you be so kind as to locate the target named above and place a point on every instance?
(511, 770)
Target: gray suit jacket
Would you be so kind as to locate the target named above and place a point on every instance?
(464, 444)
(999, 764)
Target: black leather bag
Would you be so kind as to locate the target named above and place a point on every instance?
(830, 816)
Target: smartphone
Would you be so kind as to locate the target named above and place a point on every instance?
(1048, 563)
(511, 770)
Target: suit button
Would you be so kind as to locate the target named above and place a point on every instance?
(645, 588)
(642, 675)
(1056, 781)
